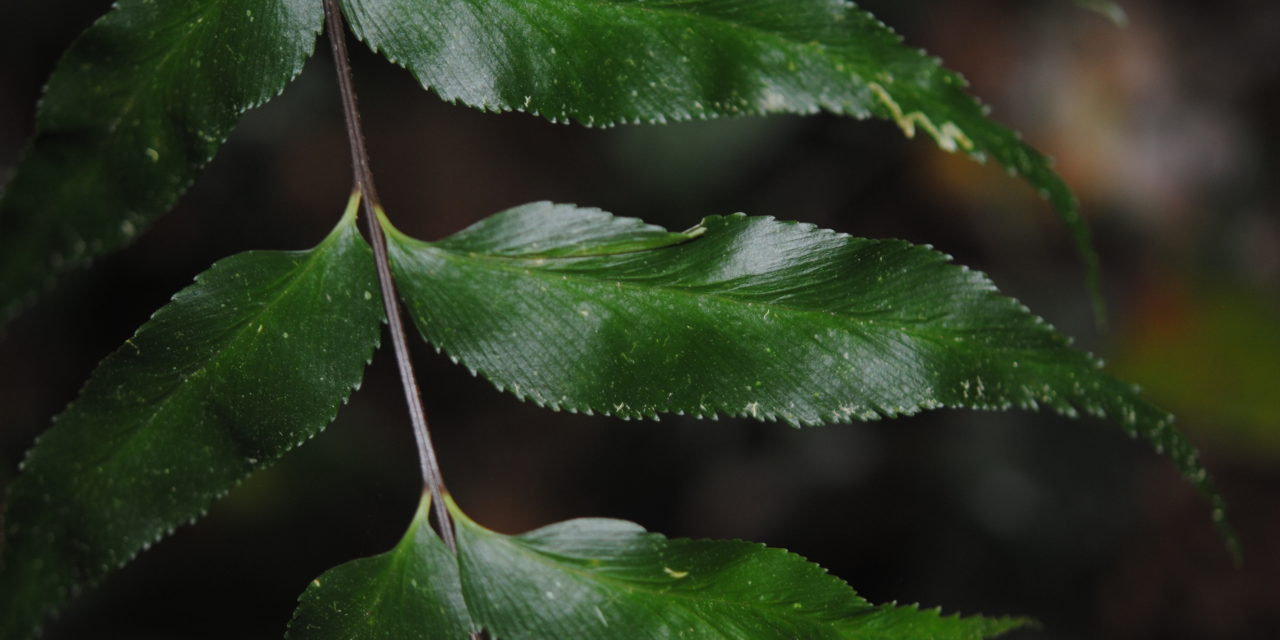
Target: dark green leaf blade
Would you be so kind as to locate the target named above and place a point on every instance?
(409, 593)
(135, 108)
(612, 580)
(604, 62)
(249, 362)
(751, 317)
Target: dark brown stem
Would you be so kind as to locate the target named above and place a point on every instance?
(364, 183)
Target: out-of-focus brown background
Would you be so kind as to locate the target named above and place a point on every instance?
(1167, 129)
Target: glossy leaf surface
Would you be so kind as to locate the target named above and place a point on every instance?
(135, 108)
(604, 62)
(410, 592)
(605, 580)
(612, 580)
(744, 316)
(248, 362)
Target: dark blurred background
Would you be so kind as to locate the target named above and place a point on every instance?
(1167, 130)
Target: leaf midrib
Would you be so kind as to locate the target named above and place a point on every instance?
(917, 329)
(504, 263)
(684, 599)
(518, 264)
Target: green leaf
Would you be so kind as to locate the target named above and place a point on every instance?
(603, 62)
(135, 108)
(249, 362)
(605, 580)
(410, 592)
(610, 579)
(746, 316)
(1112, 10)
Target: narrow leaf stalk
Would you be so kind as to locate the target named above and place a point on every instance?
(363, 177)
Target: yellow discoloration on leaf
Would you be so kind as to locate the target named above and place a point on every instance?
(949, 136)
(675, 574)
